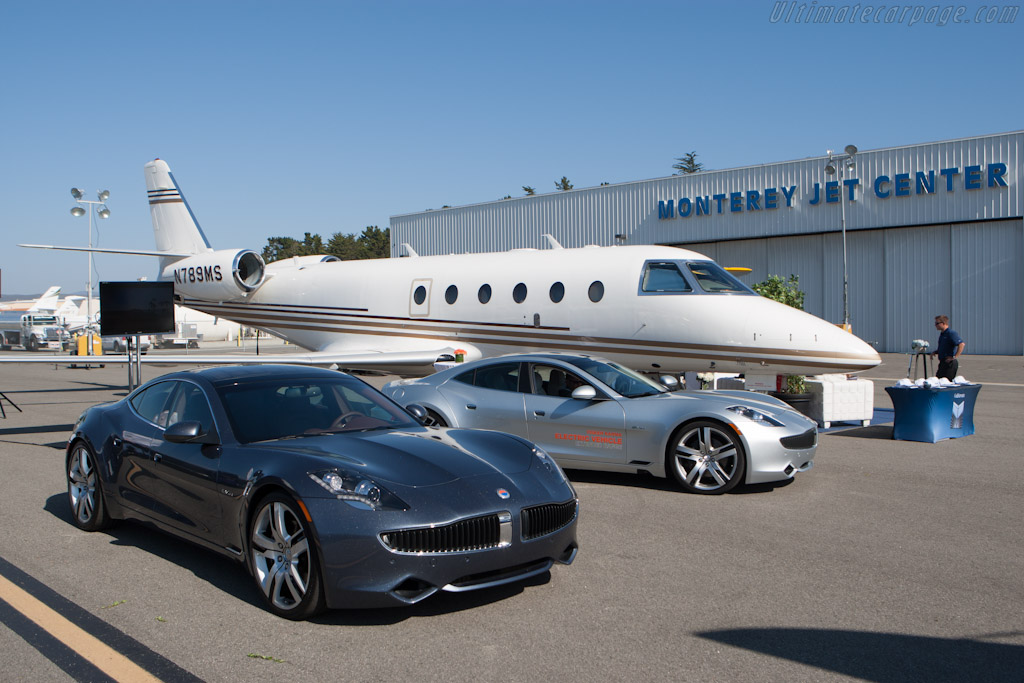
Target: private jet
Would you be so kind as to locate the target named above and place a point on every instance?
(651, 308)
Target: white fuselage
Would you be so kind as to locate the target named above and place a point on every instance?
(373, 304)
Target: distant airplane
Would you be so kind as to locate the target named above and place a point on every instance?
(48, 299)
(650, 308)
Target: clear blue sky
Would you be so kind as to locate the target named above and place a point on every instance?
(281, 118)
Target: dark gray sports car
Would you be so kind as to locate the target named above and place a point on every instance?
(332, 495)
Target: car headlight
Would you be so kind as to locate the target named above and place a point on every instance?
(755, 416)
(357, 490)
(546, 460)
(549, 465)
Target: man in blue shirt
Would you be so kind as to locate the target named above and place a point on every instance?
(949, 348)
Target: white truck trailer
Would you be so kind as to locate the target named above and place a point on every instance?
(32, 331)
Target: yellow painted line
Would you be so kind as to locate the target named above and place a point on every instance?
(95, 651)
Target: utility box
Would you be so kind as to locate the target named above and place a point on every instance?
(82, 348)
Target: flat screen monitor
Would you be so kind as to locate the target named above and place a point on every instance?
(128, 308)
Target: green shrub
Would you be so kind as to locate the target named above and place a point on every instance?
(784, 291)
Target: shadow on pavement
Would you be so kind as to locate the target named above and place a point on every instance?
(645, 480)
(885, 657)
(872, 432)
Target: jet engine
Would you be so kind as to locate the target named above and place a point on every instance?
(224, 275)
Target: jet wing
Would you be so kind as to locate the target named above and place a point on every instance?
(332, 359)
(129, 252)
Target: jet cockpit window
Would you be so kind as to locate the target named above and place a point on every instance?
(663, 277)
(714, 279)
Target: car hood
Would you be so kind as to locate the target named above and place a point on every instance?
(417, 458)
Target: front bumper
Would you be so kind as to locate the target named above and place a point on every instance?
(778, 453)
(360, 570)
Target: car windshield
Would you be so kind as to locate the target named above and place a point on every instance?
(622, 380)
(290, 408)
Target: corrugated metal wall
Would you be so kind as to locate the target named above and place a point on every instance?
(963, 259)
(901, 278)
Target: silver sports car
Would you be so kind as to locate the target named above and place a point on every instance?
(591, 413)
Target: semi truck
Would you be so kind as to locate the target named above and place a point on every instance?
(32, 331)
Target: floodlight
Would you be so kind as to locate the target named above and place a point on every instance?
(851, 149)
(76, 193)
(77, 211)
(830, 168)
(103, 213)
(103, 196)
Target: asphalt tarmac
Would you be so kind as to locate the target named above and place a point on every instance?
(888, 561)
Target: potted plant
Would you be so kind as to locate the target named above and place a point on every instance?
(787, 292)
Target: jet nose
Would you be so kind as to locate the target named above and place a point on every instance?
(802, 343)
(852, 353)
(867, 359)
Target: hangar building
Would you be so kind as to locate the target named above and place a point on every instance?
(931, 229)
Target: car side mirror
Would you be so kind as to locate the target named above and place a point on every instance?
(188, 431)
(584, 393)
(669, 382)
(419, 412)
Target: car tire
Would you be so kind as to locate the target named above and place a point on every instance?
(117, 346)
(282, 557)
(436, 417)
(85, 492)
(706, 457)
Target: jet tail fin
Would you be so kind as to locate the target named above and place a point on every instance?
(47, 302)
(175, 227)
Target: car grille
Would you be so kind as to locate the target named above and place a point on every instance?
(806, 440)
(541, 520)
(477, 533)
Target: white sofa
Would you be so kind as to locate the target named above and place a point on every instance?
(835, 398)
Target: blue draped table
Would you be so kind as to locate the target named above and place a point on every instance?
(930, 415)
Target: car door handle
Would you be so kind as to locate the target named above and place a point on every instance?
(157, 457)
(539, 413)
(471, 406)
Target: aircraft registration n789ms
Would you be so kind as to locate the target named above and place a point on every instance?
(650, 308)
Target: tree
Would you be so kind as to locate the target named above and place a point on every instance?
(375, 243)
(563, 184)
(345, 247)
(529, 190)
(285, 247)
(688, 164)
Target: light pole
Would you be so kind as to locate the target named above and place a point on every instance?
(101, 210)
(838, 164)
